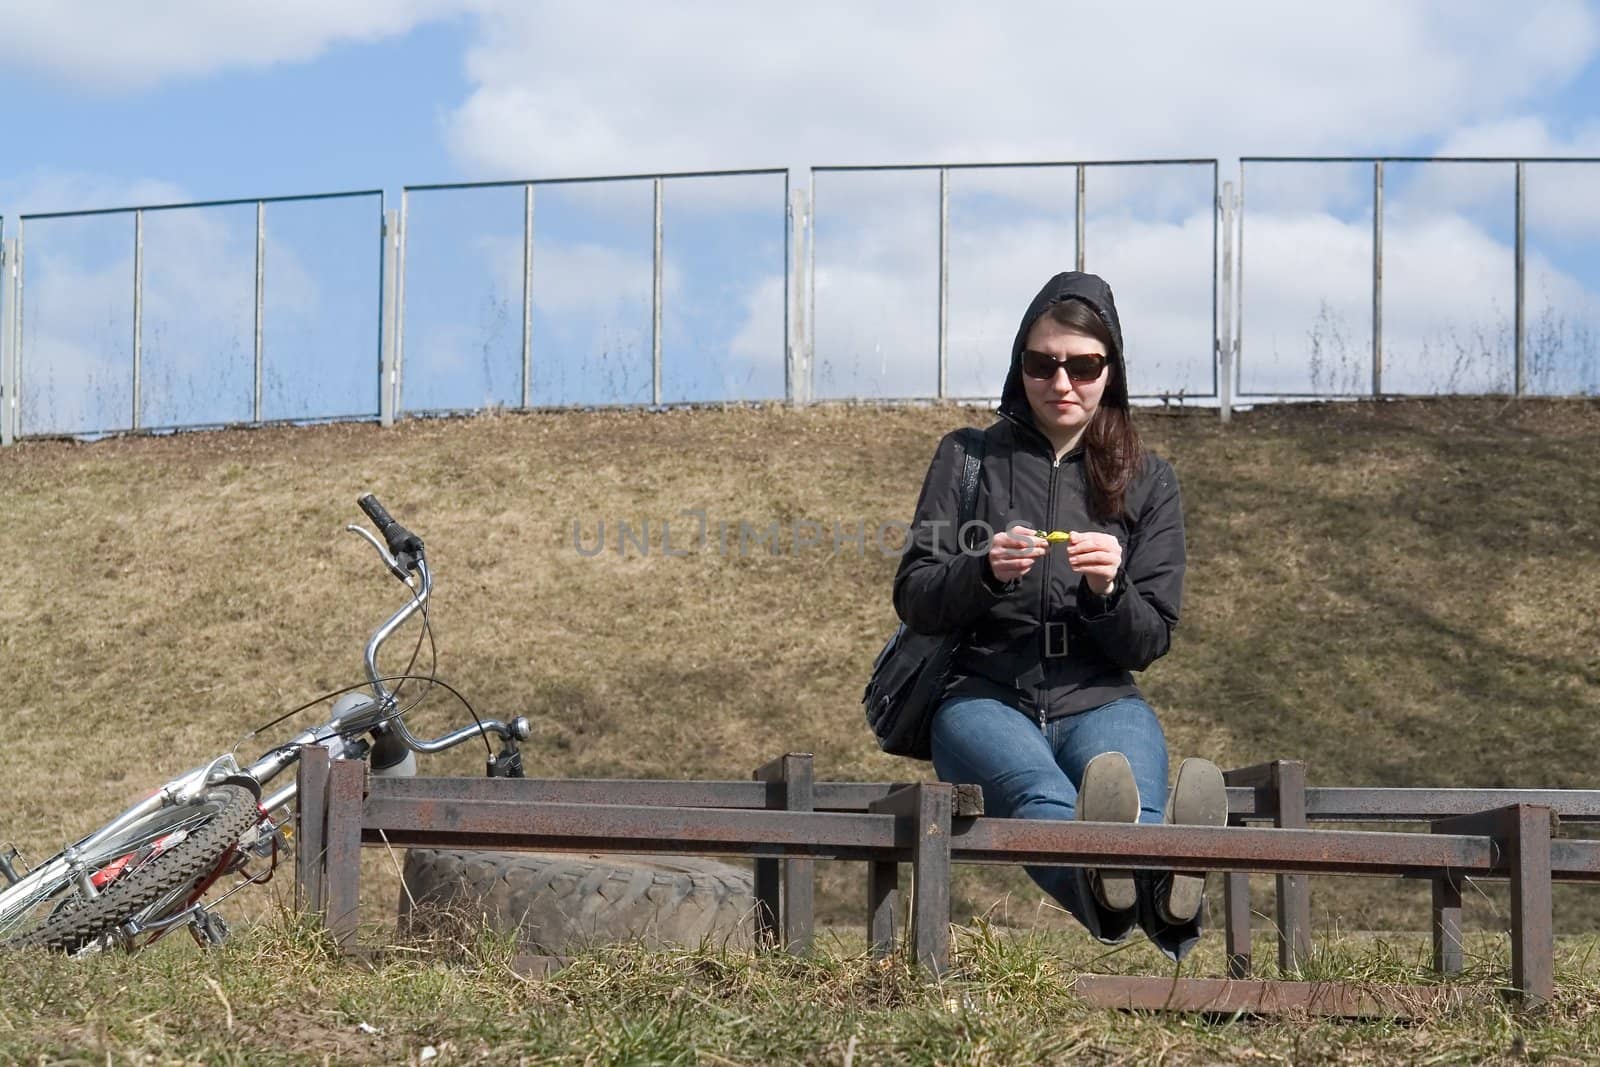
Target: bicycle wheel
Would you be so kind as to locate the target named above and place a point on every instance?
(151, 869)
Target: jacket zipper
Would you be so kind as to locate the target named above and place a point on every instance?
(1044, 584)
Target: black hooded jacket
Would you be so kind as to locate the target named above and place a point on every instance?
(1092, 642)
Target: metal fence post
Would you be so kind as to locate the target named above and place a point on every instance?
(809, 379)
(20, 326)
(138, 308)
(785, 888)
(8, 353)
(1238, 294)
(527, 295)
(1521, 374)
(944, 281)
(1225, 334)
(1377, 278)
(796, 379)
(389, 319)
(655, 306)
(261, 293)
(1078, 239)
(399, 371)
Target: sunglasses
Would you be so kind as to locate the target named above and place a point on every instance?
(1078, 368)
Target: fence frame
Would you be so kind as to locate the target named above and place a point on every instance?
(658, 179)
(1080, 168)
(138, 212)
(1519, 252)
(799, 311)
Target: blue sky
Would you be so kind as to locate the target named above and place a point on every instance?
(358, 115)
(114, 104)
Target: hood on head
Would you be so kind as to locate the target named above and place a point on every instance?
(1068, 285)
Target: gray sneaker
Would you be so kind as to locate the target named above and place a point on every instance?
(1199, 798)
(1108, 793)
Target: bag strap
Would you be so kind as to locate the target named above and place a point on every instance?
(971, 443)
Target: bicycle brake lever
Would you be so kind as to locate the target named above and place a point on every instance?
(379, 547)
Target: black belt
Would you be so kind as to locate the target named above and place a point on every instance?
(1056, 644)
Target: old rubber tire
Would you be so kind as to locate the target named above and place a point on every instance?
(561, 903)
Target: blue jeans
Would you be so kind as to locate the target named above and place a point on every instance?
(1028, 773)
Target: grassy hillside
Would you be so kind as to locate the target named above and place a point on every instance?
(1401, 594)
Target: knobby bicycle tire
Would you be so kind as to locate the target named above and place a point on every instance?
(177, 870)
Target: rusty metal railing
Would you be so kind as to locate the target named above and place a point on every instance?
(1277, 793)
(786, 820)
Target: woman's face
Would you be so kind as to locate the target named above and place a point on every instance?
(1062, 407)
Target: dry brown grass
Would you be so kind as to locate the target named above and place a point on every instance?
(277, 995)
(1401, 594)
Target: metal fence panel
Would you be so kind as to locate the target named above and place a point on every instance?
(1477, 274)
(921, 272)
(592, 289)
(321, 288)
(1009, 230)
(1449, 312)
(75, 362)
(463, 336)
(1150, 230)
(1355, 276)
(724, 283)
(197, 321)
(1563, 278)
(635, 289)
(875, 283)
(1305, 268)
(169, 316)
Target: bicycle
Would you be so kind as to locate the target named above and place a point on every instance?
(147, 872)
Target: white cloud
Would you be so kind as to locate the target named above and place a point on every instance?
(634, 87)
(110, 45)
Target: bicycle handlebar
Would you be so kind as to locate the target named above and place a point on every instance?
(405, 546)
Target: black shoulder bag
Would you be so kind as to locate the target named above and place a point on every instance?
(909, 675)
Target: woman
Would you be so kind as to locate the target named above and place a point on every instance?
(1040, 708)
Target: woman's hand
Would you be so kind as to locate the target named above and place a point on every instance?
(1096, 556)
(1012, 552)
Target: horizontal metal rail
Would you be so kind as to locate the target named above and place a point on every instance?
(1419, 159)
(651, 792)
(1201, 848)
(1324, 804)
(1342, 804)
(665, 176)
(251, 201)
(401, 820)
(856, 167)
(626, 828)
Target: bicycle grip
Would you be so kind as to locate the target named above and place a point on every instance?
(376, 512)
(400, 540)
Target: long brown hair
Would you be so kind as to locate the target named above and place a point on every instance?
(1112, 451)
